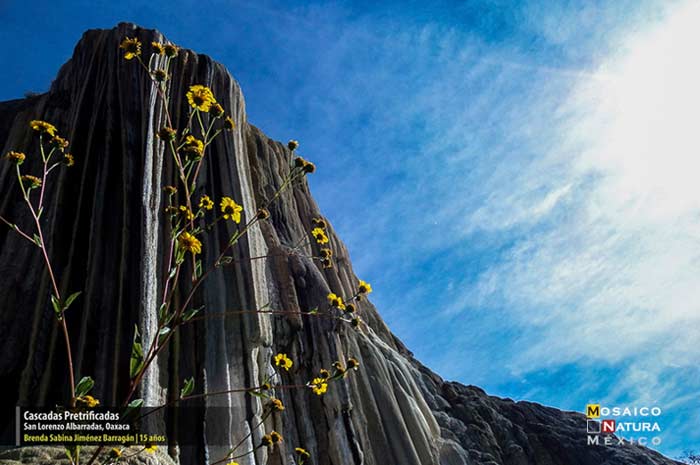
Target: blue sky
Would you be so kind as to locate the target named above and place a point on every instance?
(517, 179)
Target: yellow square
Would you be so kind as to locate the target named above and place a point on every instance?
(593, 410)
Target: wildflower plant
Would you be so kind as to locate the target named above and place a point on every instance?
(190, 213)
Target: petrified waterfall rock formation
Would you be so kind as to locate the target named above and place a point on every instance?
(103, 221)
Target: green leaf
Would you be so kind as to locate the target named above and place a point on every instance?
(180, 256)
(136, 354)
(132, 408)
(69, 453)
(57, 307)
(187, 388)
(163, 333)
(189, 314)
(73, 453)
(198, 268)
(161, 312)
(70, 299)
(84, 386)
(37, 240)
(173, 270)
(225, 260)
(313, 311)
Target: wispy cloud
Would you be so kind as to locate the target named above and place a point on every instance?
(619, 259)
(605, 270)
(539, 213)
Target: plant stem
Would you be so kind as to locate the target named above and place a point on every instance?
(16, 228)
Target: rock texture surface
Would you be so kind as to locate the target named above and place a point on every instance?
(105, 237)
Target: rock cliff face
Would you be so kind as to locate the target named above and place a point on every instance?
(104, 232)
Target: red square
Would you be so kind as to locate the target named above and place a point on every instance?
(608, 426)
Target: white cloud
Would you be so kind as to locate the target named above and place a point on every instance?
(617, 269)
(445, 144)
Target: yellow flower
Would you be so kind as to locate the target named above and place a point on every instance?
(336, 301)
(309, 167)
(283, 361)
(200, 97)
(170, 190)
(206, 203)
(320, 235)
(292, 145)
(217, 110)
(263, 214)
(306, 166)
(59, 142)
(186, 213)
(320, 222)
(325, 374)
(302, 452)
(170, 50)
(190, 243)
(353, 364)
(275, 437)
(326, 253)
(115, 453)
(364, 287)
(32, 180)
(160, 75)
(68, 159)
(87, 401)
(276, 405)
(339, 370)
(16, 157)
(193, 145)
(167, 133)
(150, 448)
(43, 127)
(158, 48)
(232, 463)
(131, 47)
(327, 263)
(266, 440)
(319, 386)
(229, 124)
(231, 210)
(350, 308)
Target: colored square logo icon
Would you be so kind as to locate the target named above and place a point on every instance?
(608, 426)
(593, 410)
(593, 426)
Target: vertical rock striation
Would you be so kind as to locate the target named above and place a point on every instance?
(104, 234)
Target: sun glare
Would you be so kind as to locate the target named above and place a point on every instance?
(643, 130)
